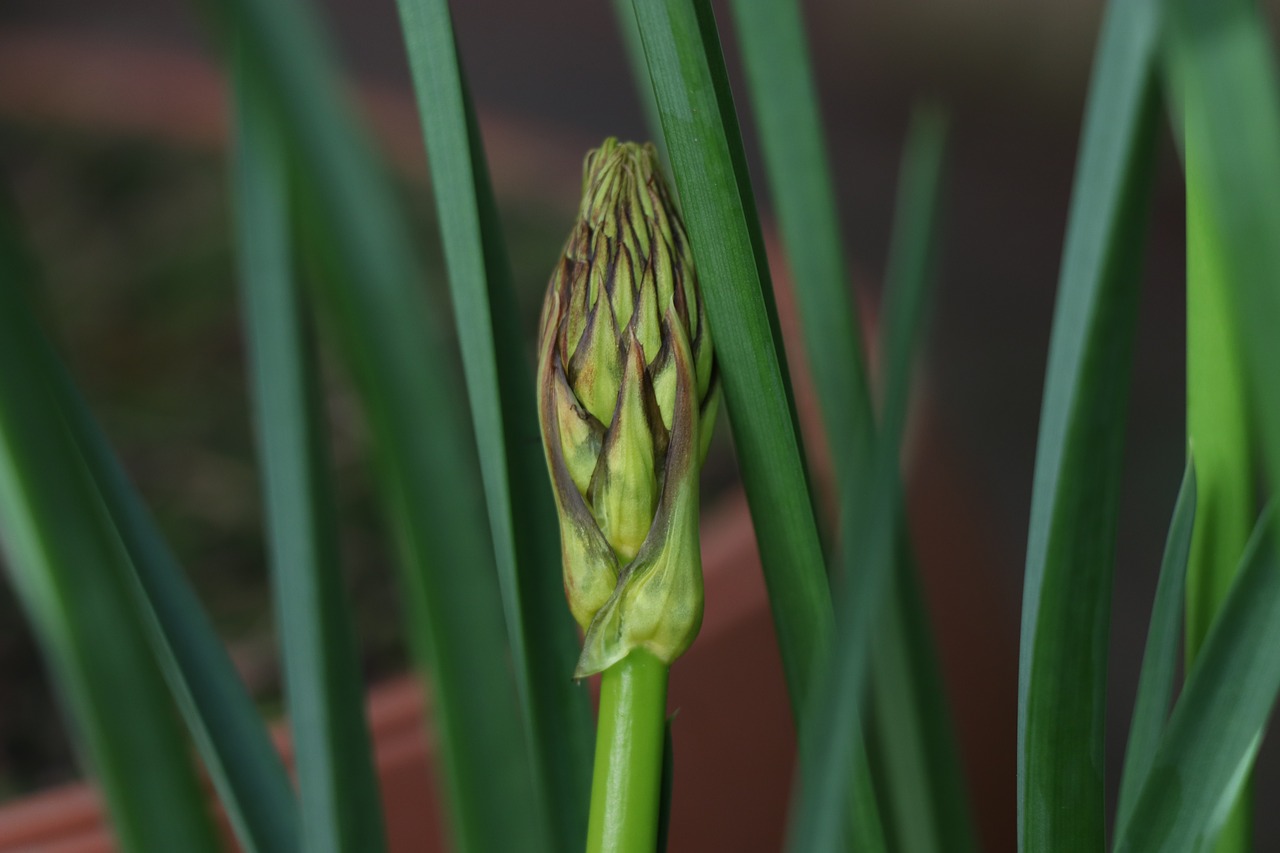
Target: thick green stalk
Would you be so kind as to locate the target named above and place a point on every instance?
(627, 786)
(1218, 433)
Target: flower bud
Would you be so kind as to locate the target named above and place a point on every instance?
(627, 399)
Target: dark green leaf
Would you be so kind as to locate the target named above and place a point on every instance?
(629, 30)
(925, 788)
(1213, 732)
(224, 721)
(1222, 71)
(425, 455)
(1223, 74)
(72, 575)
(911, 724)
(871, 509)
(340, 806)
(1067, 592)
(928, 806)
(689, 82)
(229, 733)
(500, 388)
(785, 103)
(1160, 657)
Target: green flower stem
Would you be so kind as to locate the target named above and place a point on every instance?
(627, 785)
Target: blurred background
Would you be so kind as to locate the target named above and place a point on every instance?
(112, 155)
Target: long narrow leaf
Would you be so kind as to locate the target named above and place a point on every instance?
(1218, 431)
(633, 45)
(1213, 731)
(223, 720)
(1222, 68)
(1160, 656)
(340, 806)
(544, 640)
(926, 793)
(924, 782)
(425, 455)
(689, 82)
(785, 103)
(1067, 588)
(925, 786)
(70, 571)
(1223, 72)
(871, 508)
(227, 727)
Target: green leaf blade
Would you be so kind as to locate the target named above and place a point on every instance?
(924, 779)
(691, 89)
(1221, 67)
(871, 511)
(926, 789)
(1160, 655)
(500, 389)
(425, 456)
(338, 792)
(228, 730)
(1066, 596)
(1218, 431)
(911, 722)
(1213, 732)
(70, 572)
(784, 100)
(229, 733)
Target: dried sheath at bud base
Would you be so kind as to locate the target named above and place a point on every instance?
(627, 400)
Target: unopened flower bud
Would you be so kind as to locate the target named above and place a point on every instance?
(627, 399)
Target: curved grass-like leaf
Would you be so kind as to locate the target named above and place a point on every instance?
(923, 780)
(1217, 420)
(1067, 591)
(223, 720)
(71, 572)
(689, 82)
(925, 791)
(500, 384)
(1213, 731)
(870, 512)
(633, 45)
(690, 85)
(1223, 73)
(785, 103)
(1160, 655)
(338, 792)
(424, 453)
(925, 786)
(1218, 432)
